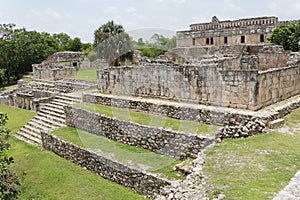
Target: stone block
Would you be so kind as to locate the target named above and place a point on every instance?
(276, 123)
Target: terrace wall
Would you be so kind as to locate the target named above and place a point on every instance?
(164, 141)
(141, 182)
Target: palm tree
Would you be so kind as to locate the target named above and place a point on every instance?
(107, 30)
(112, 43)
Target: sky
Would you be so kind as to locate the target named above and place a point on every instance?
(140, 18)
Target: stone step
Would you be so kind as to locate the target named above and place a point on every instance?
(53, 109)
(62, 101)
(26, 140)
(53, 123)
(54, 105)
(68, 98)
(39, 126)
(29, 135)
(59, 103)
(52, 119)
(276, 123)
(41, 123)
(54, 114)
(31, 131)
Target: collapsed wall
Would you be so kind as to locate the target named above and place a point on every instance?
(256, 78)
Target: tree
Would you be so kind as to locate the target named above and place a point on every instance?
(112, 43)
(63, 40)
(110, 29)
(19, 49)
(288, 36)
(9, 182)
(75, 45)
(157, 45)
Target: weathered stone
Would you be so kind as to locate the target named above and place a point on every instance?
(276, 123)
(58, 66)
(141, 182)
(168, 142)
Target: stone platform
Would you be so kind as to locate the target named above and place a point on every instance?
(291, 191)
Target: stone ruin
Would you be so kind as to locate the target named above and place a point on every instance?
(225, 85)
(250, 77)
(58, 66)
(51, 77)
(247, 31)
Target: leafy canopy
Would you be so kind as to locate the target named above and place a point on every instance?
(288, 36)
(157, 45)
(19, 49)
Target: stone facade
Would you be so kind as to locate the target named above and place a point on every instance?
(141, 182)
(163, 141)
(58, 66)
(236, 32)
(243, 81)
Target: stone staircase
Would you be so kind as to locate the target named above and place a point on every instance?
(50, 116)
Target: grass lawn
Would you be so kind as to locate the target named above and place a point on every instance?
(45, 175)
(256, 167)
(151, 119)
(87, 75)
(17, 117)
(126, 154)
(48, 176)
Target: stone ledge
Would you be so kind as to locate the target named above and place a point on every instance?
(141, 182)
(276, 123)
(233, 120)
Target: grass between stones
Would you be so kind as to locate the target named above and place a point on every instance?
(151, 119)
(87, 75)
(131, 156)
(45, 175)
(256, 167)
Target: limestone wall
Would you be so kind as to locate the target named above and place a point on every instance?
(58, 66)
(277, 85)
(163, 141)
(213, 83)
(237, 32)
(243, 79)
(54, 74)
(224, 37)
(216, 24)
(141, 182)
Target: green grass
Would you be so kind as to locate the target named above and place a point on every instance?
(256, 167)
(150, 119)
(87, 75)
(29, 80)
(293, 119)
(11, 87)
(17, 117)
(46, 176)
(126, 154)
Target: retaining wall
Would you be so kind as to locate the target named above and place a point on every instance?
(167, 142)
(141, 182)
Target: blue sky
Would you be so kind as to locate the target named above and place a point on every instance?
(80, 18)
